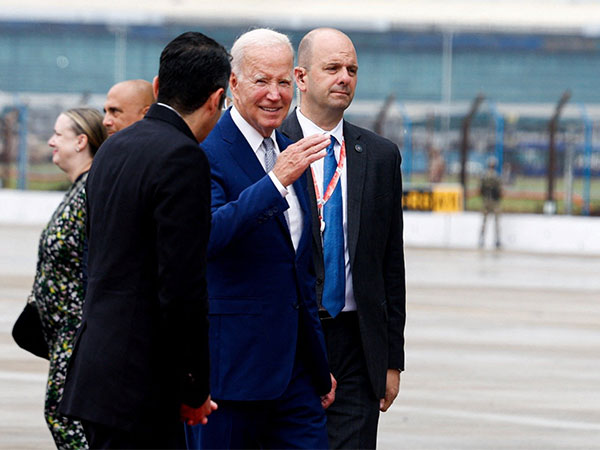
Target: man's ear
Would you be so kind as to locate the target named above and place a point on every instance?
(214, 101)
(155, 86)
(233, 82)
(300, 76)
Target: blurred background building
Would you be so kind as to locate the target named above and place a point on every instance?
(452, 82)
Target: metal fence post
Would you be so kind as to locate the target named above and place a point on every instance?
(498, 138)
(587, 159)
(408, 150)
(464, 145)
(550, 205)
(22, 155)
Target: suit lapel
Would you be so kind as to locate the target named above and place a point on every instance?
(314, 214)
(245, 157)
(291, 127)
(239, 149)
(301, 193)
(356, 154)
(300, 190)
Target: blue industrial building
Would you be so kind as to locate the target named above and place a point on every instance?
(508, 67)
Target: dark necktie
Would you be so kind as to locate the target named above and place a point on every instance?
(334, 290)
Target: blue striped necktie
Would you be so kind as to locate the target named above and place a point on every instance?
(334, 290)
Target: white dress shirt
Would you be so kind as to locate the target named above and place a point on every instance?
(293, 215)
(308, 129)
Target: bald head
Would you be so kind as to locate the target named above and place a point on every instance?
(318, 36)
(326, 75)
(126, 103)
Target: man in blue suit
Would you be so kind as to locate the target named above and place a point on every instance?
(269, 371)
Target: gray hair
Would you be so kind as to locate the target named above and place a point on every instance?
(259, 37)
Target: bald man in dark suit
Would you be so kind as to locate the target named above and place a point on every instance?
(357, 241)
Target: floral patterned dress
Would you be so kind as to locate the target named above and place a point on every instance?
(58, 292)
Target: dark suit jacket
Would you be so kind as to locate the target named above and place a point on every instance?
(375, 244)
(142, 347)
(261, 292)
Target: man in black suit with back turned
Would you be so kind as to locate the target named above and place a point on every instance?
(357, 241)
(140, 364)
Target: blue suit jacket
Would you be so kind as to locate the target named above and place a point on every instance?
(262, 306)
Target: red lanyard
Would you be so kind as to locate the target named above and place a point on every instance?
(330, 187)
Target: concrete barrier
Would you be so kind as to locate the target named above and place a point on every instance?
(519, 232)
(27, 207)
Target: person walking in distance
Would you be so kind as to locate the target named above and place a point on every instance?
(490, 188)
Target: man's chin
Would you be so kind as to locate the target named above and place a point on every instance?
(273, 116)
(272, 122)
(340, 102)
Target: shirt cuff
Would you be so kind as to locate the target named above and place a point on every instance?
(280, 187)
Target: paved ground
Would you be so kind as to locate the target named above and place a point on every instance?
(502, 352)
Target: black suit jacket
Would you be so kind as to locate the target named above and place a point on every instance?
(142, 347)
(375, 244)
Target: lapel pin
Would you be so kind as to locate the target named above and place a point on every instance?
(358, 148)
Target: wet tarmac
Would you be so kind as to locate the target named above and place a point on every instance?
(502, 352)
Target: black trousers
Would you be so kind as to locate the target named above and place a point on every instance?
(168, 435)
(353, 417)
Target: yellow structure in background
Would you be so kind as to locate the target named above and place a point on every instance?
(443, 197)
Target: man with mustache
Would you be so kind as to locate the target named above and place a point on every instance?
(357, 240)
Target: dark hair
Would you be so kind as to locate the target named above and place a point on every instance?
(88, 121)
(192, 67)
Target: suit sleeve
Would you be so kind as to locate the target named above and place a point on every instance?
(232, 218)
(394, 276)
(182, 220)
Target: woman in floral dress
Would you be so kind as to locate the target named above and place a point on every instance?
(59, 286)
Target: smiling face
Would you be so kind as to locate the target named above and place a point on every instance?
(263, 90)
(328, 79)
(64, 143)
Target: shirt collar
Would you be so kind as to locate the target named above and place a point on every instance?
(253, 137)
(309, 127)
(171, 108)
